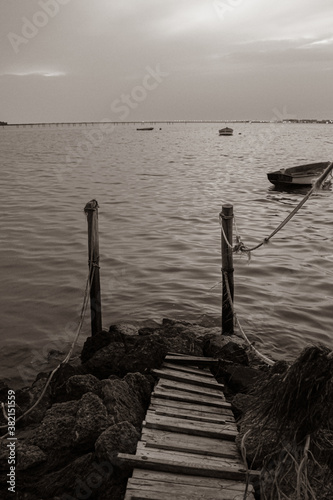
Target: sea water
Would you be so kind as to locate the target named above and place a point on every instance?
(159, 193)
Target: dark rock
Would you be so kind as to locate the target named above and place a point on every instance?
(141, 386)
(82, 478)
(78, 385)
(19, 495)
(235, 353)
(28, 456)
(227, 348)
(240, 403)
(73, 424)
(25, 398)
(115, 490)
(56, 432)
(4, 388)
(98, 341)
(279, 367)
(124, 401)
(3, 399)
(167, 322)
(182, 337)
(239, 378)
(3, 454)
(91, 420)
(147, 330)
(131, 355)
(142, 354)
(179, 336)
(120, 438)
(105, 361)
(122, 350)
(127, 329)
(61, 376)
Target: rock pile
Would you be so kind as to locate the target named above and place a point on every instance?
(94, 407)
(66, 447)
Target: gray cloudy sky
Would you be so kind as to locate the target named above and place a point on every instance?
(92, 60)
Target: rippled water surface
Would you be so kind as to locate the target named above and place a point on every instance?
(159, 194)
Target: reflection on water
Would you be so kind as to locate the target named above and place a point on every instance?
(160, 195)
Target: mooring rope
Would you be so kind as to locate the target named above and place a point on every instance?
(267, 360)
(241, 247)
(225, 237)
(89, 280)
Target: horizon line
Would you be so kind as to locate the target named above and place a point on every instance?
(92, 122)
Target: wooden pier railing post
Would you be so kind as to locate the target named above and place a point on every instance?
(91, 209)
(227, 269)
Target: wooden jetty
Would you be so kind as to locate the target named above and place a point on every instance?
(187, 449)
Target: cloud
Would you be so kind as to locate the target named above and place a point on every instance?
(323, 41)
(280, 52)
(91, 53)
(39, 73)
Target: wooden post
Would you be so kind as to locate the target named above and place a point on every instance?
(228, 269)
(91, 209)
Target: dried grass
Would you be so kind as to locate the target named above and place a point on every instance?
(294, 406)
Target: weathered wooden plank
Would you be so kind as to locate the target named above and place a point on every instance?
(155, 495)
(199, 445)
(189, 379)
(195, 424)
(185, 397)
(184, 457)
(173, 490)
(191, 416)
(219, 413)
(160, 389)
(157, 402)
(143, 449)
(190, 388)
(210, 447)
(191, 360)
(185, 468)
(188, 427)
(188, 480)
(180, 354)
(188, 369)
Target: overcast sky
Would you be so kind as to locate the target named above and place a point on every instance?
(93, 60)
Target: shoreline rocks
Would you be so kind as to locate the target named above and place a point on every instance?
(94, 409)
(90, 411)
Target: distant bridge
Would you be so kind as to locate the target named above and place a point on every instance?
(86, 124)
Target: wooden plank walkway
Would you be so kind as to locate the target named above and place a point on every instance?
(187, 449)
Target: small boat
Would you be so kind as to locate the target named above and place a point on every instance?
(301, 176)
(226, 131)
(145, 128)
